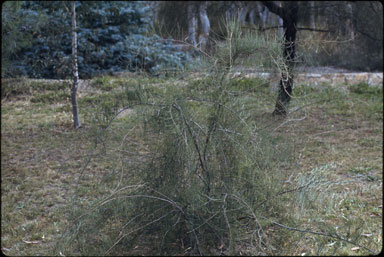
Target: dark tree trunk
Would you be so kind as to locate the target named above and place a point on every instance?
(75, 72)
(286, 82)
(289, 13)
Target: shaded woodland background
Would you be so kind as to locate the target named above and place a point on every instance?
(151, 36)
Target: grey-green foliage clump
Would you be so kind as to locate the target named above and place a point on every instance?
(214, 168)
(248, 48)
(203, 179)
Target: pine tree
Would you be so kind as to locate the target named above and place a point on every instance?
(18, 26)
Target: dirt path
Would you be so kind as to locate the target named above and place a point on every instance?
(319, 75)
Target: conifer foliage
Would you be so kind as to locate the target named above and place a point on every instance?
(112, 37)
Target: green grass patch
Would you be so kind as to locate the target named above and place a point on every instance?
(51, 97)
(329, 146)
(366, 90)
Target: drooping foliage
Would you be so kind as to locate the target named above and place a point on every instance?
(112, 37)
(198, 168)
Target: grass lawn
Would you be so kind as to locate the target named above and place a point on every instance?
(336, 135)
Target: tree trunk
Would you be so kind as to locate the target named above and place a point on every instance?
(289, 13)
(205, 25)
(75, 109)
(280, 30)
(252, 16)
(230, 12)
(243, 11)
(312, 15)
(349, 32)
(192, 23)
(263, 14)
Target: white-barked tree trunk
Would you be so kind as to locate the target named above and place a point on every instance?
(205, 25)
(75, 72)
(192, 23)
